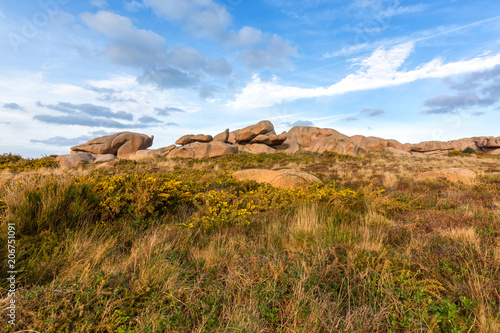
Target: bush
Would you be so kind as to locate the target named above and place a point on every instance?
(49, 203)
(17, 163)
(469, 150)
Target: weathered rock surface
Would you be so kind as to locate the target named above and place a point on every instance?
(150, 153)
(204, 150)
(337, 144)
(281, 178)
(396, 151)
(488, 142)
(105, 157)
(256, 148)
(270, 140)
(120, 144)
(248, 133)
(73, 160)
(190, 138)
(462, 144)
(222, 137)
(453, 174)
(432, 147)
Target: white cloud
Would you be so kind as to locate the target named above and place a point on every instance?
(377, 71)
(201, 17)
(206, 18)
(99, 3)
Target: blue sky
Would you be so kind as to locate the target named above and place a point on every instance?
(412, 71)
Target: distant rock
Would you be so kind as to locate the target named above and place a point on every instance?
(150, 153)
(462, 144)
(222, 137)
(248, 133)
(105, 157)
(190, 138)
(256, 148)
(204, 150)
(281, 178)
(453, 175)
(73, 160)
(120, 144)
(396, 151)
(335, 143)
(494, 152)
(432, 147)
(301, 137)
(490, 142)
(270, 140)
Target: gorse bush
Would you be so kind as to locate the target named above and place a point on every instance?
(17, 163)
(468, 150)
(184, 247)
(138, 194)
(50, 203)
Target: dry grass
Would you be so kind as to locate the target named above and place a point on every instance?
(421, 256)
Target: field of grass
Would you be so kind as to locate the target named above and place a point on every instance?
(169, 245)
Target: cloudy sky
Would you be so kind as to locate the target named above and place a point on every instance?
(413, 71)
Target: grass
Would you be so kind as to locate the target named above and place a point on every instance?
(179, 246)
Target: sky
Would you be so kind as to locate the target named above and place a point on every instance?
(412, 71)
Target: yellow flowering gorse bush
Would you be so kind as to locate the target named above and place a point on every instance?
(139, 194)
(220, 208)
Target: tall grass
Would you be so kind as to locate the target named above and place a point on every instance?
(121, 251)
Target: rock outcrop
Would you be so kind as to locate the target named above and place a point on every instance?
(453, 175)
(190, 138)
(120, 144)
(73, 160)
(289, 178)
(203, 150)
(262, 138)
(319, 140)
(396, 151)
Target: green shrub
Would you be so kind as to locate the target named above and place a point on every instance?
(469, 150)
(49, 203)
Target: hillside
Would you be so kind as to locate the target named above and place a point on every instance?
(178, 245)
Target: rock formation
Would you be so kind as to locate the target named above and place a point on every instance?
(120, 144)
(262, 138)
(289, 178)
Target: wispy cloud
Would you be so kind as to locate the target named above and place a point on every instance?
(13, 106)
(479, 89)
(419, 36)
(378, 70)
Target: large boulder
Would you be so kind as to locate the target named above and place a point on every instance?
(105, 157)
(120, 144)
(432, 147)
(222, 137)
(336, 143)
(453, 175)
(190, 138)
(281, 178)
(204, 150)
(256, 148)
(396, 151)
(151, 153)
(270, 140)
(490, 142)
(74, 159)
(373, 143)
(301, 137)
(248, 133)
(462, 144)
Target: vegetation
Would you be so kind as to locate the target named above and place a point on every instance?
(17, 163)
(180, 246)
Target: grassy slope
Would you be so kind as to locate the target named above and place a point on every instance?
(178, 246)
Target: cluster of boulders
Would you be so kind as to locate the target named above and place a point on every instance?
(106, 148)
(261, 138)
